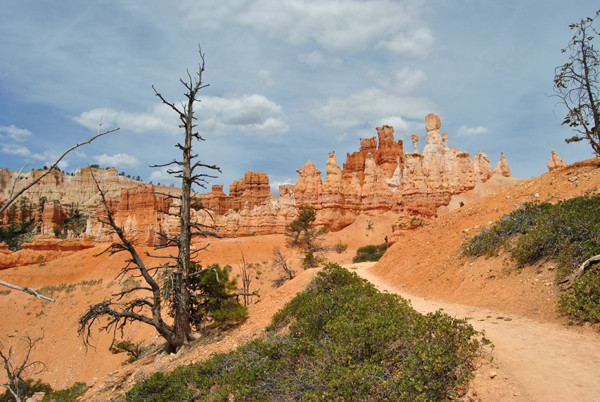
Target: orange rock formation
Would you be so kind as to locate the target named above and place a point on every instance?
(378, 178)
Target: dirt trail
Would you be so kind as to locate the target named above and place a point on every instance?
(545, 361)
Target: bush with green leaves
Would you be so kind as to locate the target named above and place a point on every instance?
(488, 241)
(213, 297)
(133, 350)
(340, 339)
(371, 252)
(581, 301)
(73, 393)
(567, 232)
(27, 389)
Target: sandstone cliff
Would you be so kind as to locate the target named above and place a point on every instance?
(380, 177)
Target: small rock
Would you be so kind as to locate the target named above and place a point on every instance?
(537, 195)
(573, 179)
(493, 374)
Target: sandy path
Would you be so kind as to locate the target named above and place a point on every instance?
(540, 361)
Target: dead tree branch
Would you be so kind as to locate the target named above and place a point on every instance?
(579, 272)
(26, 290)
(17, 370)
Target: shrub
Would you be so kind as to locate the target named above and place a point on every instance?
(581, 301)
(370, 253)
(66, 395)
(343, 340)
(213, 299)
(567, 232)
(520, 221)
(29, 388)
(133, 350)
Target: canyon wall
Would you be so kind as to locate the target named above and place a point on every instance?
(379, 177)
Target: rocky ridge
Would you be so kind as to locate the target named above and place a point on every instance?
(380, 177)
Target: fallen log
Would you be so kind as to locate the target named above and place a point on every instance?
(568, 282)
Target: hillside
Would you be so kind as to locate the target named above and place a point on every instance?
(425, 261)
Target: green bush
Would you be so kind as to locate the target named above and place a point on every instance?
(27, 389)
(67, 395)
(488, 241)
(581, 301)
(567, 232)
(15, 234)
(370, 253)
(133, 350)
(340, 339)
(213, 299)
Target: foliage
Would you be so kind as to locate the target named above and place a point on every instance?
(213, 297)
(29, 388)
(577, 83)
(371, 252)
(20, 226)
(581, 302)
(15, 234)
(567, 232)
(340, 339)
(339, 247)
(488, 241)
(67, 395)
(133, 350)
(75, 222)
(300, 234)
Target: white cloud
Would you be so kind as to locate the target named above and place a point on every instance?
(390, 101)
(465, 131)
(316, 58)
(14, 133)
(161, 176)
(48, 157)
(373, 105)
(14, 149)
(401, 126)
(416, 43)
(159, 119)
(346, 26)
(342, 26)
(252, 115)
(120, 160)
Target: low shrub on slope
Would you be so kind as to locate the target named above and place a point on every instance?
(567, 232)
(339, 339)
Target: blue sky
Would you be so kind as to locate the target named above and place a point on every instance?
(290, 80)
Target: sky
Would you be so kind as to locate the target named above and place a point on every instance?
(289, 80)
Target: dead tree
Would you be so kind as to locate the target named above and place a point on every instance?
(280, 263)
(15, 370)
(246, 280)
(166, 283)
